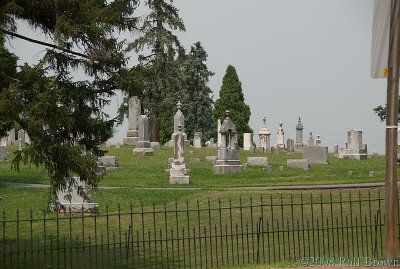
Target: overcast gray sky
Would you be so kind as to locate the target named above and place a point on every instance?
(308, 59)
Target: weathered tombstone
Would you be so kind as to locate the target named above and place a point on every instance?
(298, 146)
(349, 173)
(257, 161)
(247, 141)
(290, 145)
(197, 139)
(355, 149)
(100, 168)
(264, 135)
(134, 112)
(118, 145)
(110, 162)
(280, 137)
(371, 173)
(228, 160)
(143, 146)
(21, 138)
(281, 167)
(299, 163)
(179, 119)
(219, 133)
(316, 154)
(310, 140)
(11, 137)
(3, 153)
(178, 174)
(318, 141)
(75, 198)
(336, 150)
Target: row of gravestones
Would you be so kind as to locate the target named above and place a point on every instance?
(226, 162)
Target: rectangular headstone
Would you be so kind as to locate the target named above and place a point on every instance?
(316, 154)
(257, 161)
(109, 161)
(299, 163)
(70, 200)
(248, 141)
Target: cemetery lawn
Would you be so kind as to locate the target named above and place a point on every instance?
(148, 172)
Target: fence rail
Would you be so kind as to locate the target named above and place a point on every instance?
(201, 234)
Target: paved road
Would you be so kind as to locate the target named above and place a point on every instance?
(300, 187)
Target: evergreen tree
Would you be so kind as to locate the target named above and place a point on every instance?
(231, 98)
(161, 63)
(62, 115)
(197, 103)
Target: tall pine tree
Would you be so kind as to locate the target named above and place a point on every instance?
(231, 98)
(61, 114)
(162, 47)
(196, 99)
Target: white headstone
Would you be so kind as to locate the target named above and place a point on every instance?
(280, 136)
(247, 141)
(197, 139)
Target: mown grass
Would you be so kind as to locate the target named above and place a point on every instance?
(149, 171)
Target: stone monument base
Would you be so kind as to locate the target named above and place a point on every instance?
(182, 180)
(219, 169)
(66, 208)
(129, 141)
(143, 152)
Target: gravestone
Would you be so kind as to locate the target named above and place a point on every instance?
(228, 160)
(336, 150)
(310, 140)
(299, 163)
(100, 168)
(355, 149)
(219, 133)
(21, 138)
(110, 162)
(143, 146)
(318, 141)
(118, 145)
(179, 119)
(268, 169)
(298, 146)
(75, 198)
(178, 174)
(290, 145)
(280, 137)
(264, 135)
(371, 173)
(248, 141)
(257, 161)
(11, 137)
(197, 139)
(132, 135)
(3, 153)
(316, 154)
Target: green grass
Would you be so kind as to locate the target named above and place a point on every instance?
(149, 171)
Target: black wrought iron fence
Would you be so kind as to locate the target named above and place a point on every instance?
(199, 234)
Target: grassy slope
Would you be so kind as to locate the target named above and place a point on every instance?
(149, 171)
